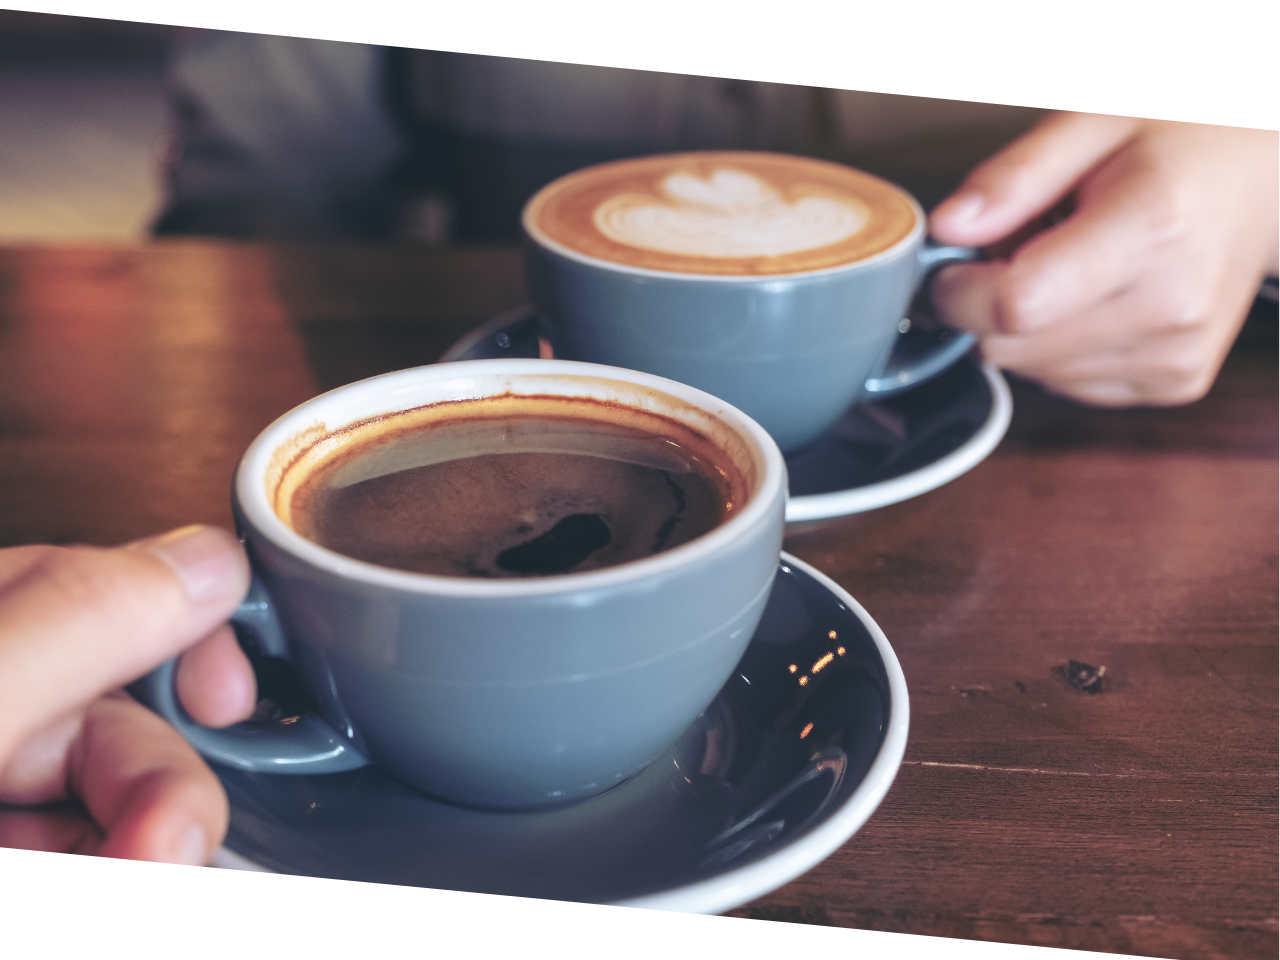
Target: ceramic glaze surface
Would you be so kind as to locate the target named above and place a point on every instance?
(790, 352)
(502, 703)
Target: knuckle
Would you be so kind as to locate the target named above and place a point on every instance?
(1016, 308)
(1099, 397)
(1189, 388)
(1164, 210)
(1165, 219)
(1184, 370)
(1189, 310)
(188, 782)
(1179, 378)
(1186, 365)
(1094, 393)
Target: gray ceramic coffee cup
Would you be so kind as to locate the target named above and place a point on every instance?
(513, 693)
(793, 351)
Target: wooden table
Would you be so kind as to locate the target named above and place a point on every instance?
(1140, 820)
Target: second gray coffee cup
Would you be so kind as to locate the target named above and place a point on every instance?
(793, 350)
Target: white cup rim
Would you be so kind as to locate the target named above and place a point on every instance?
(404, 385)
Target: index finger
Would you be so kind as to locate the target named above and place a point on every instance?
(1027, 178)
(1088, 258)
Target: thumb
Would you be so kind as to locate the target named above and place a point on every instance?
(76, 622)
(1027, 178)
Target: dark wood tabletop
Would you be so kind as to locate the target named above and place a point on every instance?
(1139, 819)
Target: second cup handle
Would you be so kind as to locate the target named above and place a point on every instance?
(301, 745)
(897, 377)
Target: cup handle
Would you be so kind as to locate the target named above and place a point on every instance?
(903, 375)
(300, 745)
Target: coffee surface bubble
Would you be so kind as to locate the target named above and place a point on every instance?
(726, 212)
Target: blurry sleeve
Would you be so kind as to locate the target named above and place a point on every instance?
(279, 137)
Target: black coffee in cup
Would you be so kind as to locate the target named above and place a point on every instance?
(509, 487)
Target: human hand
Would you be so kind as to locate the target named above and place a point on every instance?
(76, 624)
(1136, 296)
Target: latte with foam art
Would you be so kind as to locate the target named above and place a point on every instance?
(725, 212)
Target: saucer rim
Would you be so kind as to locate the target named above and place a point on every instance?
(732, 889)
(842, 503)
(812, 507)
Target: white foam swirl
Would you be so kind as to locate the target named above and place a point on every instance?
(731, 214)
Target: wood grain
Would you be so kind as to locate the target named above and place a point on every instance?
(1141, 820)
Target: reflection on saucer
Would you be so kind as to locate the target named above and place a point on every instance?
(879, 453)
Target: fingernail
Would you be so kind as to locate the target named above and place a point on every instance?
(206, 559)
(191, 848)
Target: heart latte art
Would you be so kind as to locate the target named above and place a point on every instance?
(729, 213)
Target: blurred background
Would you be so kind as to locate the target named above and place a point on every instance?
(100, 129)
(83, 118)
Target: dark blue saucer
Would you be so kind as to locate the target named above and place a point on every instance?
(789, 760)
